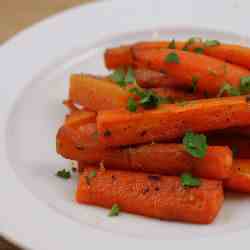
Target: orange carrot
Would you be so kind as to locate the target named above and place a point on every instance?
(172, 120)
(79, 117)
(81, 144)
(240, 180)
(153, 79)
(232, 53)
(161, 197)
(96, 94)
(239, 144)
(211, 73)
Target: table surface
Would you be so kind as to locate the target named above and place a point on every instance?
(16, 15)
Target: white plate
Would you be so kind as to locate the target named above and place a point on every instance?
(38, 209)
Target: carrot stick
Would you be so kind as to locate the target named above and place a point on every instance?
(81, 144)
(232, 53)
(96, 94)
(239, 144)
(153, 79)
(161, 197)
(240, 180)
(171, 121)
(211, 73)
(78, 117)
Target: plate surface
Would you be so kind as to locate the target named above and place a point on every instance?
(38, 209)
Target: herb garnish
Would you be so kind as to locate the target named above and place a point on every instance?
(132, 105)
(211, 43)
(122, 78)
(172, 45)
(65, 174)
(229, 89)
(187, 180)
(191, 41)
(172, 58)
(195, 144)
(198, 50)
(115, 210)
(245, 85)
(90, 176)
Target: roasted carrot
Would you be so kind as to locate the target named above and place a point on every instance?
(153, 79)
(235, 54)
(81, 144)
(240, 180)
(212, 74)
(172, 120)
(239, 144)
(96, 94)
(161, 197)
(79, 117)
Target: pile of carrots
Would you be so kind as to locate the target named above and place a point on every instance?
(165, 133)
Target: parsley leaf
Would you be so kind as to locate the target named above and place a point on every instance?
(191, 41)
(115, 210)
(172, 45)
(130, 76)
(118, 76)
(229, 89)
(245, 85)
(172, 58)
(132, 105)
(211, 43)
(90, 176)
(195, 144)
(199, 50)
(150, 100)
(187, 180)
(65, 174)
(195, 80)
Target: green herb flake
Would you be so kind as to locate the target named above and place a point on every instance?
(199, 50)
(172, 45)
(130, 76)
(229, 89)
(211, 43)
(132, 105)
(90, 176)
(118, 76)
(191, 41)
(195, 144)
(115, 210)
(245, 85)
(65, 174)
(172, 58)
(107, 133)
(187, 180)
(235, 150)
(150, 100)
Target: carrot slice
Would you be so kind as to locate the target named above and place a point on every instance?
(240, 180)
(81, 144)
(78, 117)
(211, 73)
(232, 53)
(161, 197)
(172, 121)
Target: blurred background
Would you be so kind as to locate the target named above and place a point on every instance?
(16, 15)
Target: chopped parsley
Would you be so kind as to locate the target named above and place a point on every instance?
(195, 80)
(245, 85)
(65, 174)
(172, 45)
(150, 100)
(132, 105)
(195, 144)
(122, 78)
(235, 150)
(229, 89)
(187, 180)
(211, 43)
(107, 133)
(90, 176)
(172, 58)
(198, 50)
(115, 210)
(191, 41)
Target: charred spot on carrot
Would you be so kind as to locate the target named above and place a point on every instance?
(154, 177)
(107, 133)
